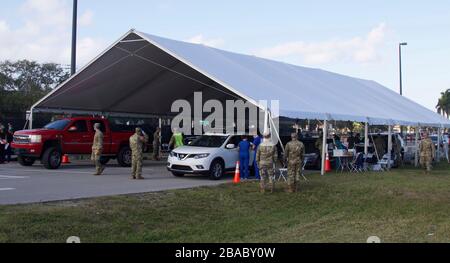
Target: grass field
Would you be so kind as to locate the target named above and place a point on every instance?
(399, 206)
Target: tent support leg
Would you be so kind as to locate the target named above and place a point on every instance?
(266, 121)
(366, 139)
(390, 146)
(324, 146)
(438, 154)
(275, 130)
(416, 146)
(30, 120)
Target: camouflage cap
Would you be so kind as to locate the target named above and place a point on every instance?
(138, 130)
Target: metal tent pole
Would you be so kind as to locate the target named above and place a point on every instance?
(324, 146)
(366, 139)
(30, 120)
(438, 154)
(416, 146)
(390, 145)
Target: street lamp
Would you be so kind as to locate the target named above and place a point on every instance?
(400, 60)
(74, 38)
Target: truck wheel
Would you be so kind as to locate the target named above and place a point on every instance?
(217, 170)
(104, 160)
(25, 161)
(51, 159)
(124, 157)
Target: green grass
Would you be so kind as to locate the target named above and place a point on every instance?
(399, 206)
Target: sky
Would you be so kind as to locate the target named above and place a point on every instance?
(355, 38)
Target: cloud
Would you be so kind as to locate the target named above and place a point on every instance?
(357, 49)
(200, 39)
(86, 18)
(43, 33)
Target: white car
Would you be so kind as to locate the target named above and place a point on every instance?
(211, 154)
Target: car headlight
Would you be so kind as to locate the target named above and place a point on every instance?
(35, 138)
(201, 156)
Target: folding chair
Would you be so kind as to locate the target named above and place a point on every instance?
(357, 164)
(302, 172)
(283, 174)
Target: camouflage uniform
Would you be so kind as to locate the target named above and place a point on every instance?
(295, 152)
(266, 157)
(97, 149)
(137, 143)
(398, 152)
(427, 153)
(156, 142)
(380, 147)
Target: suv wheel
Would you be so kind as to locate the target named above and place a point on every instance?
(51, 159)
(124, 157)
(217, 170)
(25, 161)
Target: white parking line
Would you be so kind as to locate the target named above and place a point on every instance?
(5, 177)
(7, 189)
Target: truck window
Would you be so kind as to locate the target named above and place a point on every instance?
(81, 126)
(102, 125)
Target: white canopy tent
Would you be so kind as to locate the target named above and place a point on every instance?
(142, 74)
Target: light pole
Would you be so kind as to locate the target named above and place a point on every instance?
(73, 65)
(400, 63)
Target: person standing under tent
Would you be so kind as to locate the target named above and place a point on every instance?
(137, 144)
(295, 152)
(427, 152)
(398, 152)
(2, 144)
(380, 146)
(351, 141)
(244, 157)
(9, 141)
(266, 158)
(176, 140)
(319, 146)
(97, 149)
(156, 144)
(256, 143)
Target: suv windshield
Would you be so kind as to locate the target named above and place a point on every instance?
(57, 125)
(209, 141)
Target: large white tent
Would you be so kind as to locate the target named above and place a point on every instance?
(144, 74)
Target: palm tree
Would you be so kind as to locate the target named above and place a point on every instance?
(443, 106)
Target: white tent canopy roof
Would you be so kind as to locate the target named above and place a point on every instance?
(126, 77)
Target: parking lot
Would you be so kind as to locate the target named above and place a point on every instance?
(19, 185)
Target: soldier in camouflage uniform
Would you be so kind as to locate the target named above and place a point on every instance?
(97, 149)
(266, 157)
(295, 152)
(427, 152)
(380, 146)
(137, 143)
(156, 143)
(319, 145)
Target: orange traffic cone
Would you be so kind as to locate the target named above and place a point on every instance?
(327, 164)
(65, 159)
(237, 174)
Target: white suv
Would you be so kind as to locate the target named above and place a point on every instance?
(212, 154)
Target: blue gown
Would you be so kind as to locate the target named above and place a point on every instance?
(244, 158)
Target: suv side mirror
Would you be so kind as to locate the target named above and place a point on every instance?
(230, 146)
(73, 129)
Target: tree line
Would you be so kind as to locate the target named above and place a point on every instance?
(443, 106)
(23, 83)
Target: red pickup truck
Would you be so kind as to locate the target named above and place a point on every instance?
(70, 136)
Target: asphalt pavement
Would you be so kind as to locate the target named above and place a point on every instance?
(21, 185)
